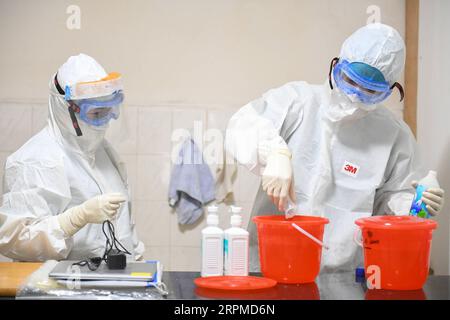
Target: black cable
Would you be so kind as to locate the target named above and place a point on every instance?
(111, 243)
(112, 236)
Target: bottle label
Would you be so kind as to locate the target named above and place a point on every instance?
(212, 256)
(418, 207)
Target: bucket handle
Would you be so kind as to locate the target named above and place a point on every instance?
(355, 237)
(309, 235)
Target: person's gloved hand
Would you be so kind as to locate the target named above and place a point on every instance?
(95, 210)
(433, 198)
(277, 178)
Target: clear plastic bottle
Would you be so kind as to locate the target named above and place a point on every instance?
(418, 207)
(212, 245)
(236, 246)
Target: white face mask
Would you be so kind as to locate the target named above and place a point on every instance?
(343, 106)
(340, 106)
(353, 98)
(367, 107)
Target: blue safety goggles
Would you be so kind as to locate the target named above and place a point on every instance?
(99, 111)
(362, 80)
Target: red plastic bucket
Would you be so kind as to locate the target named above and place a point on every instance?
(398, 247)
(285, 254)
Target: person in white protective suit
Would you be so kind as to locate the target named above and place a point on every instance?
(66, 180)
(332, 149)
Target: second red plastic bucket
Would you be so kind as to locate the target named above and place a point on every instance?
(285, 254)
(398, 247)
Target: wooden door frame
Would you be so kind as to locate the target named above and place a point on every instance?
(411, 65)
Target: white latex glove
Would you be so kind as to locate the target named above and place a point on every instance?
(433, 198)
(139, 258)
(95, 210)
(277, 178)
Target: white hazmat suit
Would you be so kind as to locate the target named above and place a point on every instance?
(57, 170)
(349, 160)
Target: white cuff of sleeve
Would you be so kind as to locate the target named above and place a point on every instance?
(70, 221)
(56, 228)
(267, 147)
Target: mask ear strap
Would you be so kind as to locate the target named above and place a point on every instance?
(72, 109)
(332, 64)
(400, 89)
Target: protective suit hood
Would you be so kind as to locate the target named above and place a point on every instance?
(379, 46)
(77, 69)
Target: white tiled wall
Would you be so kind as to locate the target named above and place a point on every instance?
(142, 136)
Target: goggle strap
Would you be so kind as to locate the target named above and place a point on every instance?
(400, 89)
(332, 64)
(72, 108)
(58, 87)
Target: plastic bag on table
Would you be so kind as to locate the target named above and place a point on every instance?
(39, 286)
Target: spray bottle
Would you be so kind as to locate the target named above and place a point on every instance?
(418, 207)
(236, 246)
(212, 245)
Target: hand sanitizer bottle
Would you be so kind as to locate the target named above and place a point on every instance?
(418, 207)
(212, 245)
(236, 246)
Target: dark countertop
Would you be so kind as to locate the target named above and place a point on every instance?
(337, 286)
(326, 287)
